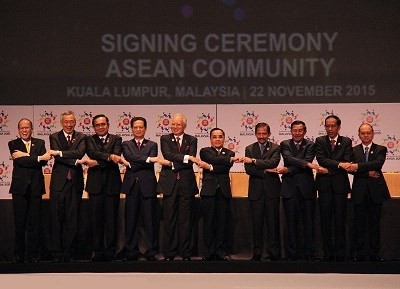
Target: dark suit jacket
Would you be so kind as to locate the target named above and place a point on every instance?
(362, 183)
(299, 176)
(67, 162)
(27, 170)
(219, 177)
(330, 160)
(106, 176)
(260, 182)
(140, 173)
(168, 176)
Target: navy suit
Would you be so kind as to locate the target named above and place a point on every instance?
(333, 189)
(215, 199)
(367, 195)
(27, 188)
(264, 196)
(299, 194)
(103, 184)
(178, 186)
(65, 193)
(140, 186)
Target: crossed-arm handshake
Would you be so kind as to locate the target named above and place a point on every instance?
(44, 157)
(353, 167)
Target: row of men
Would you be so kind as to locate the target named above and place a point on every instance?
(102, 152)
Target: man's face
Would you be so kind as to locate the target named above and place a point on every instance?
(331, 127)
(68, 123)
(217, 139)
(25, 130)
(138, 129)
(262, 134)
(101, 126)
(298, 132)
(366, 134)
(177, 125)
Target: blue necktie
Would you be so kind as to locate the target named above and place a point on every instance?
(366, 153)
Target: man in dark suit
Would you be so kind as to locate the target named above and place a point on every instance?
(66, 187)
(334, 154)
(140, 187)
(216, 161)
(369, 191)
(178, 185)
(261, 160)
(103, 184)
(298, 190)
(27, 187)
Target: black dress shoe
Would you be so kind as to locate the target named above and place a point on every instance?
(169, 259)
(186, 259)
(151, 258)
(376, 258)
(328, 259)
(130, 259)
(275, 258)
(56, 259)
(256, 258)
(18, 259)
(208, 258)
(340, 259)
(359, 258)
(33, 260)
(220, 258)
(309, 258)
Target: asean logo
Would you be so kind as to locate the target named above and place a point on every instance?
(4, 171)
(249, 120)
(370, 117)
(124, 121)
(85, 121)
(47, 120)
(233, 144)
(392, 144)
(163, 122)
(47, 169)
(3, 120)
(287, 118)
(323, 115)
(205, 122)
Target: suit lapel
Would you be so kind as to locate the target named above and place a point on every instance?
(256, 150)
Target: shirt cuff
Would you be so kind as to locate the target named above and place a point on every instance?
(186, 159)
(148, 160)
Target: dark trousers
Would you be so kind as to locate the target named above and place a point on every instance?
(216, 212)
(178, 212)
(265, 209)
(64, 211)
(104, 216)
(368, 212)
(295, 207)
(145, 208)
(27, 224)
(333, 205)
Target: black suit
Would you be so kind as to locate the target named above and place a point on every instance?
(103, 185)
(215, 199)
(66, 194)
(140, 186)
(264, 196)
(178, 186)
(333, 189)
(27, 188)
(299, 194)
(367, 195)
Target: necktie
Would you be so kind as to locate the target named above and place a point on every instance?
(298, 146)
(218, 152)
(138, 145)
(69, 140)
(366, 153)
(178, 143)
(103, 139)
(28, 147)
(333, 144)
(262, 149)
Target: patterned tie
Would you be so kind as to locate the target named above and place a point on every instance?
(138, 145)
(333, 144)
(298, 146)
(28, 147)
(69, 140)
(178, 143)
(366, 153)
(262, 149)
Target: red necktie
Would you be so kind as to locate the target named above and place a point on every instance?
(333, 144)
(69, 140)
(178, 143)
(138, 145)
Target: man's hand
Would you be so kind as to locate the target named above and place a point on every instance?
(114, 158)
(374, 174)
(46, 156)
(91, 163)
(204, 165)
(17, 154)
(194, 160)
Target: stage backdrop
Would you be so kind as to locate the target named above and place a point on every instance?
(181, 52)
(238, 122)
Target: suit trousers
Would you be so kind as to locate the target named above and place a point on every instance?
(333, 204)
(27, 224)
(216, 212)
(145, 208)
(369, 213)
(178, 213)
(64, 211)
(104, 216)
(297, 207)
(265, 209)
